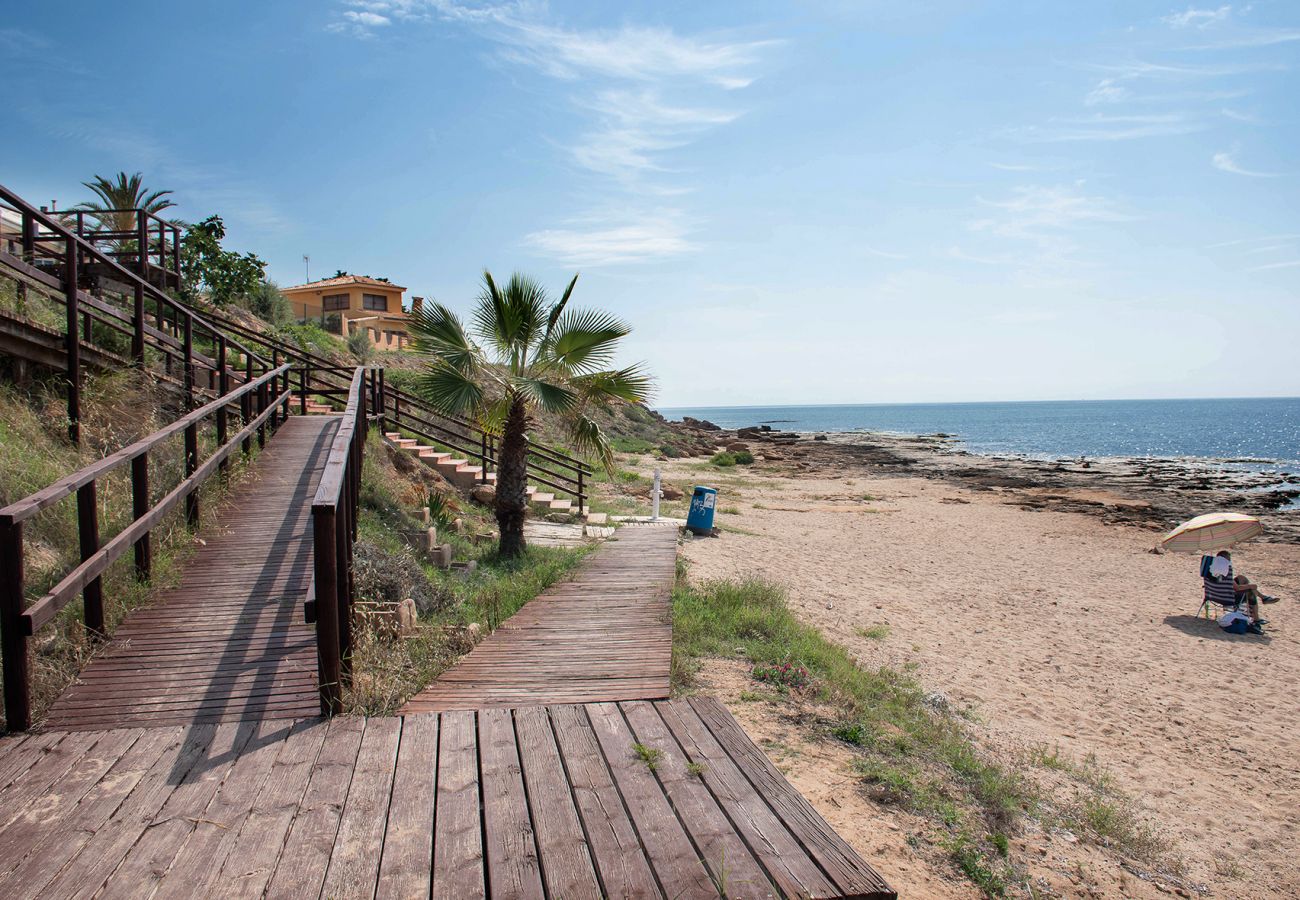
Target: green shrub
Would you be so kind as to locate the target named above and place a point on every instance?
(723, 459)
(744, 458)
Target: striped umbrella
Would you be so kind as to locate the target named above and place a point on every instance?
(1210, 532)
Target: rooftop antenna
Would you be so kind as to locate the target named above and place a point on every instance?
(306, 262)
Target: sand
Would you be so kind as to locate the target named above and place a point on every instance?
(1057, 629)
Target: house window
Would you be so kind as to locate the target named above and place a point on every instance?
(375, 301)
(332, 302)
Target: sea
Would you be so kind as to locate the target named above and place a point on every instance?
(1261, 434)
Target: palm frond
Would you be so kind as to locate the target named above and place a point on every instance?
(438, 332)
(510, 319)
(546, 395)
(587, 438)
(631, 384)
(450, 390)
(584, 340)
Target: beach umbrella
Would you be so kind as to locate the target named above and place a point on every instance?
(1211, 532)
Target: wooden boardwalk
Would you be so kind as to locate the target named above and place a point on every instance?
(229, 641)
(525, 803)
(604, 635)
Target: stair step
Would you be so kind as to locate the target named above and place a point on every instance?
(597, 518)
(453, 463)
(475, 470)
(561, 505)
(427, 452)
(542, 498)
(393, 435)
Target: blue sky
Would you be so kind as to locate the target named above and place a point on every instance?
(822, 202)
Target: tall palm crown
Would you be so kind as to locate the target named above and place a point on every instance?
(124, 192)
(524, 354)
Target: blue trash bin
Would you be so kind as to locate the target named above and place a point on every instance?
(700, 519)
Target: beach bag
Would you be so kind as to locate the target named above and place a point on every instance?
(1234, 622)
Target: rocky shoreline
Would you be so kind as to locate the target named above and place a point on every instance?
(1156, 493)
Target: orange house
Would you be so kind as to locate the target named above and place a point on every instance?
(350, 302)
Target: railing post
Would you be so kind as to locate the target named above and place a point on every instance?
(13, 637)
(342, 557)
(327, 613)
(72, 346)
(176, 255)
(275, 391)
(88, 531)
(305, 375)
(246, 402)
(223, 388)
(261, 408)
(383, 404)
(482, 458)
(188, 373)
(582, 495)
(139, 507)
(142, 252)
(137, 336)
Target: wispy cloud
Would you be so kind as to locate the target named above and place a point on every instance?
(651, 236)
(1101, 127)
(1264, 239)
(1043, 223)
(1198, 18)
(1224, 162)
(647, 93)
(1288, 264)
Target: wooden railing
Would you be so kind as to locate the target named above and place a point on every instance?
(262, 403)
(52, 254)
(334, 530)
(405, 411)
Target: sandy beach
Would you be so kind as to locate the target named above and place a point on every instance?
(1057, 629)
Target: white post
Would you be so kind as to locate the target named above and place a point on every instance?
(654, 493)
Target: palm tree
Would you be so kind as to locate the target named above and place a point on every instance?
(526, 355)
(126, 192)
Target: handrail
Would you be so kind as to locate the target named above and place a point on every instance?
(260, 402)
(29, 506)
(49, 221)
(334, 530)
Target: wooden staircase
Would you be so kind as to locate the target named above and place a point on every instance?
(466, 476)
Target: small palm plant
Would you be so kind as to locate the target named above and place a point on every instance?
(123, 192)
(526, 354)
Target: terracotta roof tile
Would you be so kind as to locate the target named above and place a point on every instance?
(345, 280)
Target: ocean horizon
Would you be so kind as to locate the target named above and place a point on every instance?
(1250, 431)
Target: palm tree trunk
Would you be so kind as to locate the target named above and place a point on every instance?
(512, 480)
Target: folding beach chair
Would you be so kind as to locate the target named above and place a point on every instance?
(1218, 591)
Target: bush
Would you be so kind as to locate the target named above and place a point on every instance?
(359, 345)
(391, 576)
(724, 460)
(269, 304)
(744, 458)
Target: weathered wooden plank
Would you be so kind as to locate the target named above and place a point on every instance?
(604, 635)
(675, 860)
(512, 864)
(406, 867)
(147, 860)
(110, 843)
(724, 852)
(58, 828)
(613, 843)
(354, 866)
(306, 854)
(253, 858)
(852, 875)
(216, 828)
(561, 842)
(457, 844)
(779, 851)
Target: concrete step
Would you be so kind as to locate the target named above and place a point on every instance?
(561, 505)
(541, 499)
(393, 435)
(594, 518)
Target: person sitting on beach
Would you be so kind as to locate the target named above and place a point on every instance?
(1229, 590)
